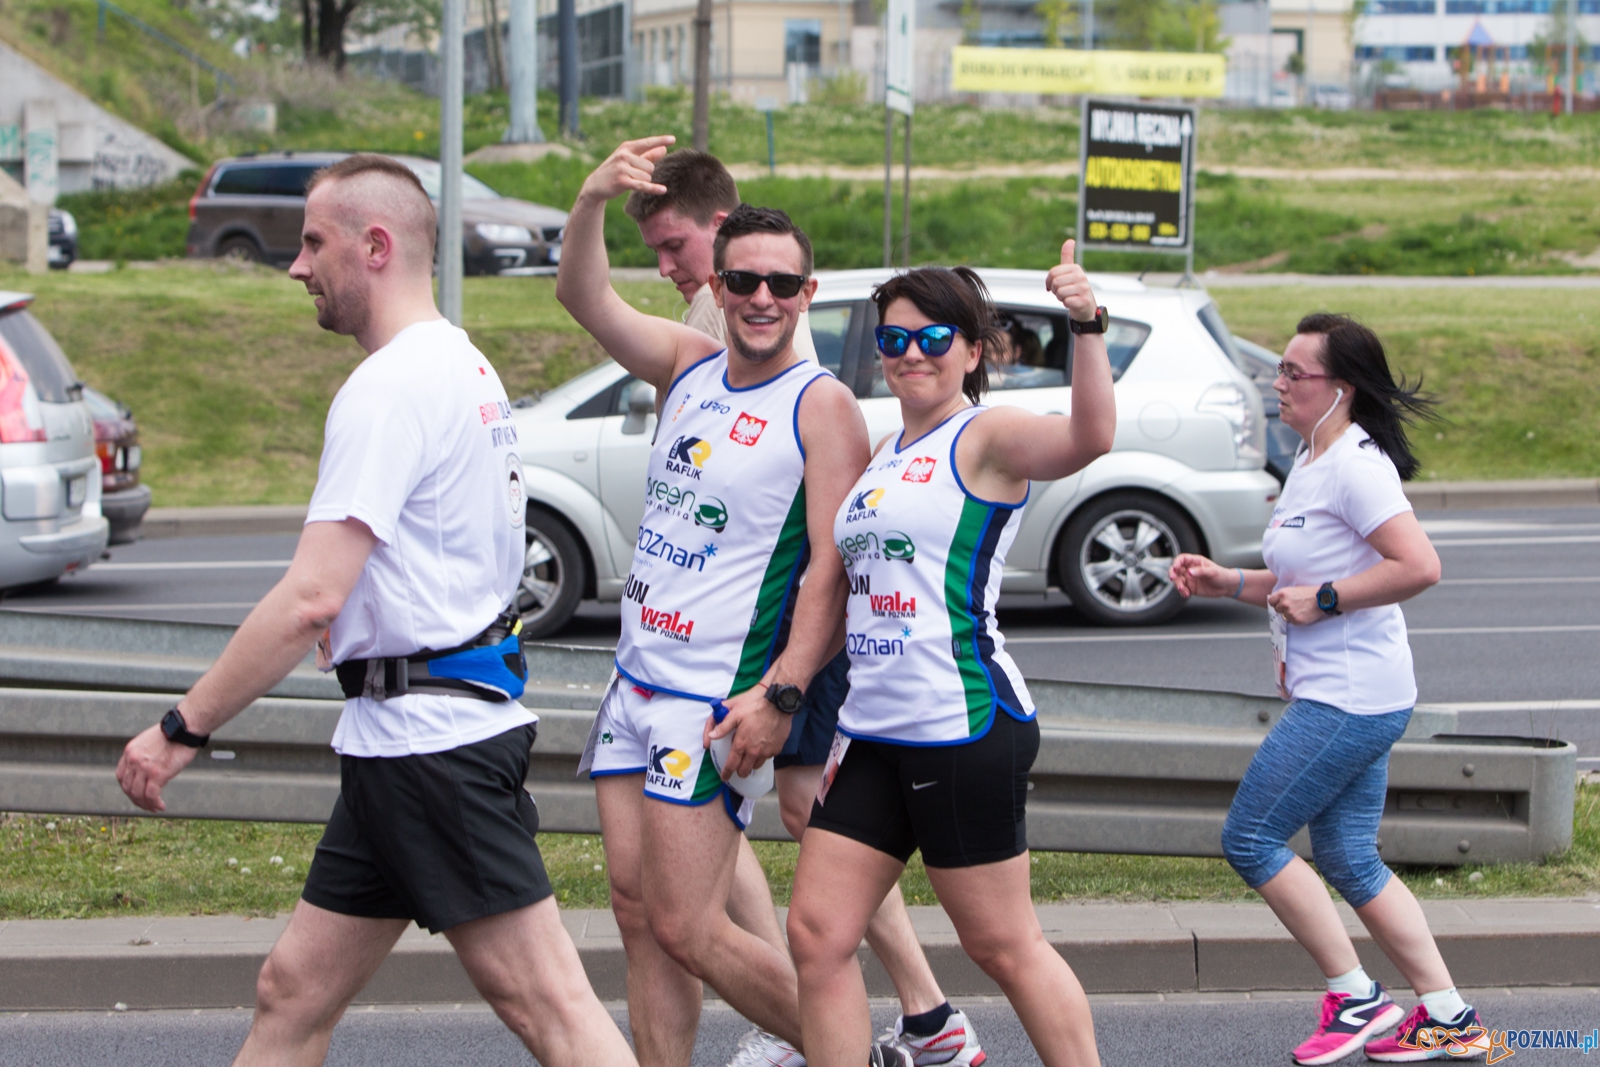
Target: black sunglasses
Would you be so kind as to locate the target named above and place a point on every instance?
(934, 340)
(746, 282)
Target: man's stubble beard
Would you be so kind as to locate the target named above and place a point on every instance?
(762, 355)
(348, 313)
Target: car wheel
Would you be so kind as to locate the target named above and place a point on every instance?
(552, 576)
(1115, 555)
(240, 249)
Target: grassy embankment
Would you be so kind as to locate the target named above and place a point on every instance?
(230, 376)
(54, 867)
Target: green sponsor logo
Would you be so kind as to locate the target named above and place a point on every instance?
(897, 545)
(711, 514)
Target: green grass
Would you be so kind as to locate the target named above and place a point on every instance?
(231, 378)
(1517, 371)
(59, 867)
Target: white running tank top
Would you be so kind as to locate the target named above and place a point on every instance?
(923, 555)
(723, 543)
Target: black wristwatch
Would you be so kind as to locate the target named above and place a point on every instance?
(1098, 324)
(786, 698)
(1328, 599)
(177, 731)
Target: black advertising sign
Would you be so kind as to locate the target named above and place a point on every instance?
(1136, 177)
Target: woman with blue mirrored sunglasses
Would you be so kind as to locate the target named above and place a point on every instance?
(934, 340)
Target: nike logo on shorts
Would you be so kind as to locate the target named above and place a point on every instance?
(924, 785)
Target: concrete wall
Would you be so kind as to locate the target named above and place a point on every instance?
(56, 140)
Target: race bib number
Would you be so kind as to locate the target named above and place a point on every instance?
(830, 769)
(1280, 653)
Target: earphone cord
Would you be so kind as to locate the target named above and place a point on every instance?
(1337, 396)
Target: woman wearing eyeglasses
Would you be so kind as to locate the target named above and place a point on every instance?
(937, 734)
(1343, 550)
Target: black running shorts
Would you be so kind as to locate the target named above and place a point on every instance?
(443, 838)
(962, 805)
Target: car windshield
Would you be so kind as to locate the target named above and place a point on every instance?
(430, 173)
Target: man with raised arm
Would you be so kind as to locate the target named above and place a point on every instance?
(412, 548)
(680, 227)
(753, 455)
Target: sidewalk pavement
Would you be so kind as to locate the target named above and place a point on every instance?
(1426, 496)
(212, 961)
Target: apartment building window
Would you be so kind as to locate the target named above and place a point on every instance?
(1404, 7)
(1404, 53)
(802, 42)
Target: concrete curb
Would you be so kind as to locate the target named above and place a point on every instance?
(1425, 496)
(208, 962)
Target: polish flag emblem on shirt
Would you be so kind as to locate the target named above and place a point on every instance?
(920, 470)
(747, 429)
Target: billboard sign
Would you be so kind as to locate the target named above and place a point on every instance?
(1136, 177)
(1065, 71)
(900, 73)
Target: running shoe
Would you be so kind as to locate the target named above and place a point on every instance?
(1347, 1021)
(955, 1045)
(888, 1054)
(761, 1049)
(1422, 1037)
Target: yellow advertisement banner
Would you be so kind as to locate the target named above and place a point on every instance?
(1064, 71)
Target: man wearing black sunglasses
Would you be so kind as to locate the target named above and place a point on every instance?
(753, 456)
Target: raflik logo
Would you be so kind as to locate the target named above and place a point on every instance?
(635, 590)
(894, 606)
(921, 469)
(688, 456)
(746, 429)
(864, 505)
(667, 767)
(667, 624)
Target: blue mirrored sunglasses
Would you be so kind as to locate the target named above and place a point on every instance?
(934, 340)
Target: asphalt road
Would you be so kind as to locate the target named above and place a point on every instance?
(1189, 1030)
(1515, 619)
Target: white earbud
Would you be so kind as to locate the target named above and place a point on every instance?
(1337, 396)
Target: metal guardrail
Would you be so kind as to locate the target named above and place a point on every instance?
(1122, 769)
(138, 23)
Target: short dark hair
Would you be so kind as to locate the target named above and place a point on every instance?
(372, 163)
(958, 297)
(698, 186)
(745, 220)
(1352, 353)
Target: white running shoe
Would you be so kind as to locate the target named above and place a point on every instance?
(889, 1054)
(761, 1049)
(956, 1045)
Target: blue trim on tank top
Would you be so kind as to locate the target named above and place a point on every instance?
(658, 689)
(972, 574)
(686, 371)
(760, 385)
(814, 379)
(612, 774)
(899, 448)
(955, 470)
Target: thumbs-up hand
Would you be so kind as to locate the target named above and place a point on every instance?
(1070, 284)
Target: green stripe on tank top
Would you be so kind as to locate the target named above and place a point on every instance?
(708, 782)
(774, 592)
(963, 627)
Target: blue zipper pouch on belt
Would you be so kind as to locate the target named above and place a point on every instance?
(489, 667)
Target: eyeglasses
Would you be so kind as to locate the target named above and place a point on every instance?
(935, 340)
(746, 282)
(1295, 375)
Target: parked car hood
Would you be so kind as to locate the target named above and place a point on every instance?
(515, 212)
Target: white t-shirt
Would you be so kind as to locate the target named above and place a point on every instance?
(1359, 661)
(420, 446)
(704, 315)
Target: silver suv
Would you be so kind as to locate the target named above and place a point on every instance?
(49, 474)
(1185, 475)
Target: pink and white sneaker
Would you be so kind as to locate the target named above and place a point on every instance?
(954, 1046)
(1347, 1022)
(1422, 1037)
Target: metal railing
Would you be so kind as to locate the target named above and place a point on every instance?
(1121, 769)
(217, 72)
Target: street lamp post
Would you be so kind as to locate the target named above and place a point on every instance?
(450, 102)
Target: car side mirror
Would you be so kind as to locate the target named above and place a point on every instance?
(641, 405)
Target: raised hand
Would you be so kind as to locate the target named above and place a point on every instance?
(1070, 284)
(629, 168)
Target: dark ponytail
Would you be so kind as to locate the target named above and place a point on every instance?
(1353, 354)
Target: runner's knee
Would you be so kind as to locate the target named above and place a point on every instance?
(1253, 856)
(282, 989)
(815, 937)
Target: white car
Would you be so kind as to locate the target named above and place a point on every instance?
(50, 478)
(1185, 475)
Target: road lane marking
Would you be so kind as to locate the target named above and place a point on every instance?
(67, 607)
(1519, 581)
(1238, 635)
(196, 565)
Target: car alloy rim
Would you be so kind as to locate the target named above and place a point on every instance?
(541, 577)
(1125, 560)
